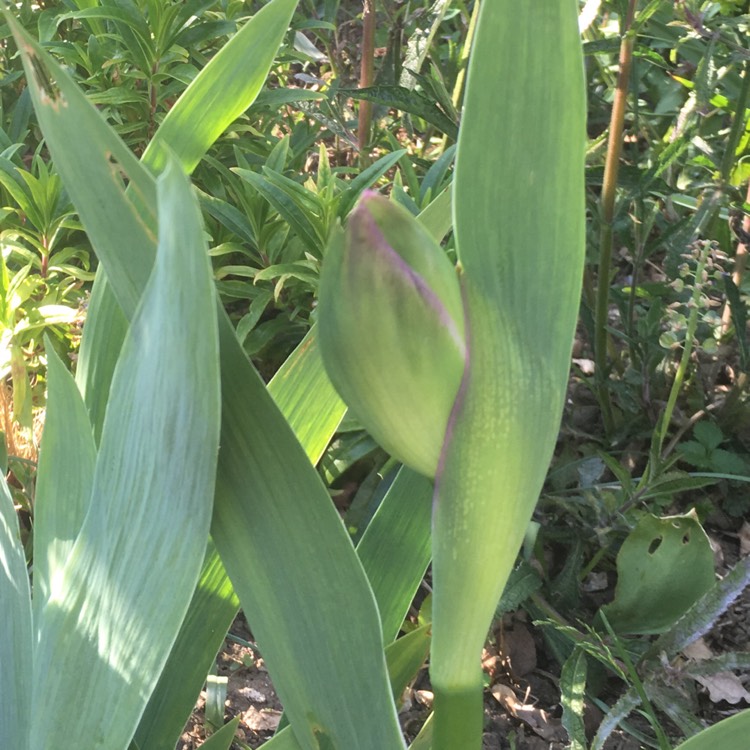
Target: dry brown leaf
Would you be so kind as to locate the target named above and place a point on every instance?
(722, 686)
(745, 539)
(537, 719)
(518, 649)
(266, 720)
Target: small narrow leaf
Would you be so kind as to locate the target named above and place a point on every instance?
(66, 472)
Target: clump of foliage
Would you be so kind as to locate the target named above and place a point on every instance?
(288, 133)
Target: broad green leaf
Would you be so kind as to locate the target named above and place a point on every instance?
(305, 396)
(143, 538)
(283, 543)
(212, 609)
(518, 201)
(729, 733)
(406, 656)
(16, 641)
(280, 495)
(66, 472)
(103, 334)
(437, 216)
(649, 597)
(222, 738)
(423, 741)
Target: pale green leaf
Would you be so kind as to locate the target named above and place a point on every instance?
(573, 698)
(649, 598)
(395, 548)
(519, 225)
(729, 733)
(143, 538)
(66, 472)
(212, 609)
(283, 543)
(305, 396)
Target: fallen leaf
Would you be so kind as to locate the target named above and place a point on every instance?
(745, 539)
(537, 719)
(518, 649)
(266, 720)
(722, 686)
(698, 650)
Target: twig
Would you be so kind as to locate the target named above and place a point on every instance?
(609, 189)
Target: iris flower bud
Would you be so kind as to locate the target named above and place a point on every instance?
(392, 329)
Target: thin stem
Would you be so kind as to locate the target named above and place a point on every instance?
(463, 60)
(609, 187)
(706, 211)
(366, 78)
(635, 679)
(458, 89)
(686, 351)
(727, 163)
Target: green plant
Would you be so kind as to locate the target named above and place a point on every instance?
(273, 523)
(430, 392)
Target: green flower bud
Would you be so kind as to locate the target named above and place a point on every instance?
(392, 329)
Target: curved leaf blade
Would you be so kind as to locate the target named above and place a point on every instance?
(519, 223)
(145, 532)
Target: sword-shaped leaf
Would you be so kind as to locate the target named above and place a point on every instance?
(519, 223)
(272, 505)
(114, 609)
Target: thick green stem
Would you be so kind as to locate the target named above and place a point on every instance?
(458, 721)
(609, 189)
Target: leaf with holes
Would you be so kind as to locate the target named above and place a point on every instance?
(663, 567)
